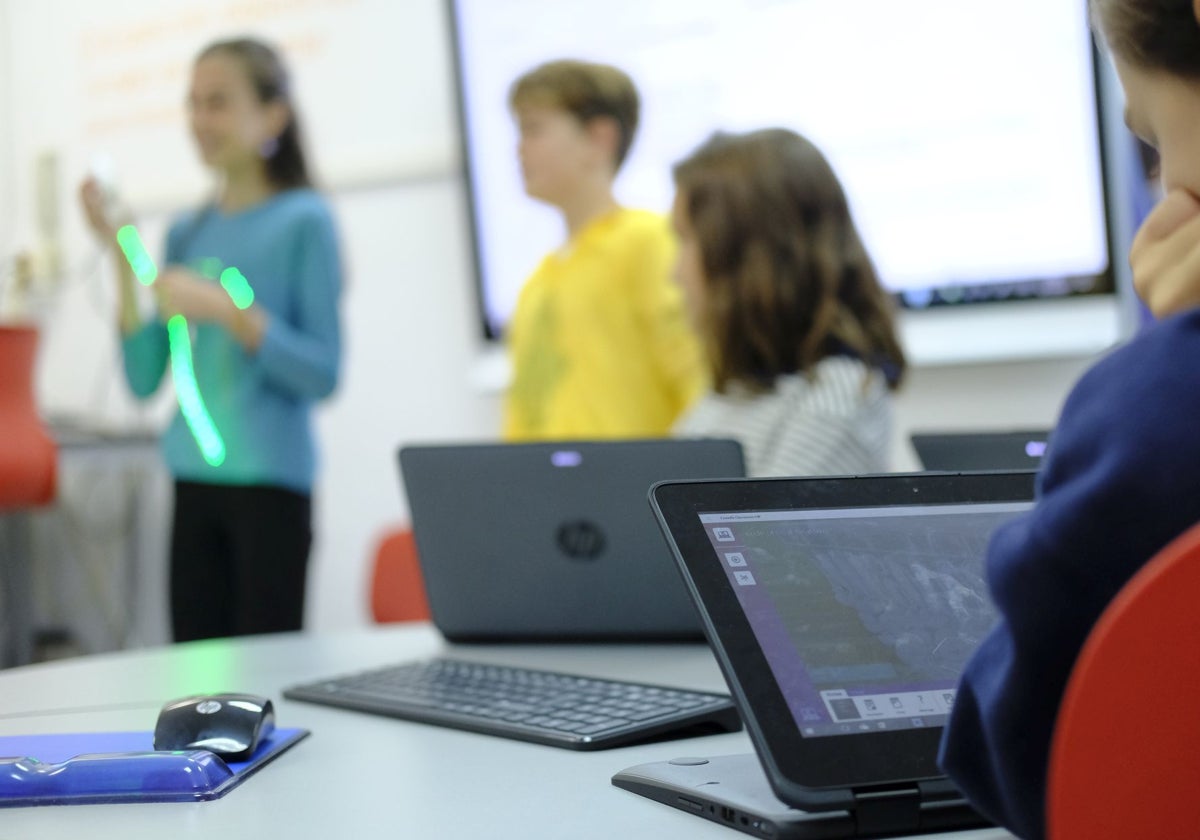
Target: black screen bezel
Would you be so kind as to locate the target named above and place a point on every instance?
(800, 768)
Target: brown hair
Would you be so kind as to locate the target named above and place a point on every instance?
(1153, 34)
(586, 91)
(285, 161)
(787, 281)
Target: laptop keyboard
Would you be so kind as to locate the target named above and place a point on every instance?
(561, 710)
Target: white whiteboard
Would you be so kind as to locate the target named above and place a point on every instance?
(369, 77)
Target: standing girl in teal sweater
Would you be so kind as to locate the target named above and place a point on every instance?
(242, 529)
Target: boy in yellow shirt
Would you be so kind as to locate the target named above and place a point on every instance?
(599, 341)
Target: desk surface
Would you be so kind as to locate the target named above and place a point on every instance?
(379, 774)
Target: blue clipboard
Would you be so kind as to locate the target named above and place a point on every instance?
(121, 767)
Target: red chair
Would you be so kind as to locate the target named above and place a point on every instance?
(397, 588)
(1125, 760)
(28, 476)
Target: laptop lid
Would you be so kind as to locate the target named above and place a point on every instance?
(841, 612)
(962, 451)
(553, 541)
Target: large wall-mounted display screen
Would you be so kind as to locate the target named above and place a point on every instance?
(966, 132)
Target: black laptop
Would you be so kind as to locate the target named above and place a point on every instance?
(962, 451)
(553, 541)
(841, 612)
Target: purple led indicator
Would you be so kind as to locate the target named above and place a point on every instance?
(566, 458)
(1035, 448)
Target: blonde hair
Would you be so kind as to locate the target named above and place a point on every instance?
(586, 91)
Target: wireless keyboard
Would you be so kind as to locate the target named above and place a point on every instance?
(561, 710)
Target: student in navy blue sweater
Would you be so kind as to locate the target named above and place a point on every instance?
(1121, 476)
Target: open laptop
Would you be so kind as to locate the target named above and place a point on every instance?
(553, 541)
(962, 451)
(841, 612)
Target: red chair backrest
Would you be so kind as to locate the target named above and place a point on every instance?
(1125, 760)
(397, 587)
(28, 455)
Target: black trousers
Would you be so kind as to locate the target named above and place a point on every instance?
(239, 560)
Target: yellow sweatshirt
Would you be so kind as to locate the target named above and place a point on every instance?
(599, 340)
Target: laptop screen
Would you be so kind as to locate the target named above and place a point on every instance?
(866, 616)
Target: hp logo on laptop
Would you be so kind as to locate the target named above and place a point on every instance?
(581, 540)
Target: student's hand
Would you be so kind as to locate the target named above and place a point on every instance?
(183, 292)
(95, 210)
(1165, 255)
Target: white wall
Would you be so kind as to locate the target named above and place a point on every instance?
(411, 334)
(410, 350)
(7, 161)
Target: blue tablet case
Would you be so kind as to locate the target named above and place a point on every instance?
(102, 767)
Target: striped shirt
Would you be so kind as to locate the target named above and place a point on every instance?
(836, 422)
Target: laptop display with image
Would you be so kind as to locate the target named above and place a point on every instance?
(842, 612)
(553, 541)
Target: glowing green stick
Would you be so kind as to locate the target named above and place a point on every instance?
(234, 282)
(136, 255)
(191, 404)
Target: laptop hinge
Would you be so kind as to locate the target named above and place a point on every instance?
(895, 810)
(936, 790)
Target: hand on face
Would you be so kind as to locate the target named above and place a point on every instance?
(183, 292)
(1165, 255)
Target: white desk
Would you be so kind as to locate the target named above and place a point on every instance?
(360, 775)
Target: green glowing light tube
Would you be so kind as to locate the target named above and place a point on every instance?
(136, 255)
(191, 404)
(234, 282)
(199, 421)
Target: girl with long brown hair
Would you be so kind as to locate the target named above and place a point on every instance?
(798, 333)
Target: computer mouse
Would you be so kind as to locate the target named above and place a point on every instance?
(229, 725)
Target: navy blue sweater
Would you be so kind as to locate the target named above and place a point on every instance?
(1120, 480)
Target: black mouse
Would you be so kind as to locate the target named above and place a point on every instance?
(229, 725)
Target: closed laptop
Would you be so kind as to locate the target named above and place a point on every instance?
(961, 451)
(553, 541)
